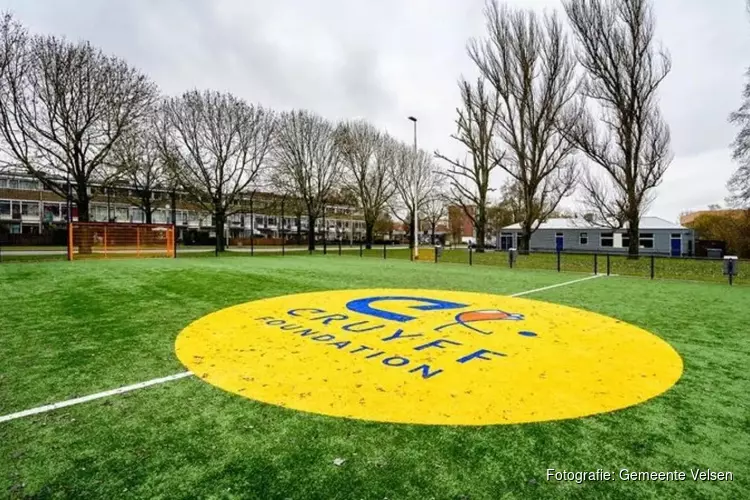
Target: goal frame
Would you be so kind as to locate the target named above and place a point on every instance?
(140, 246)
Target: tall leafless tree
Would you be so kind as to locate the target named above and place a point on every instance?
(469, 181)
(528, 62)
(63, 106)
(435, 210)
(368, 155)
(624, 69)
(415, 179)
(739, 187)
(307, 161)
(221, 145)
(139, 164)
(739, 183)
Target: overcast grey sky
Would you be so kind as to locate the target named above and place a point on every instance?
(384, 60)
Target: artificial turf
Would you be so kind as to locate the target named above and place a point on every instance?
(695, 269)
(71, 329)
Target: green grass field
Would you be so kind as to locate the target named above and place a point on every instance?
(72, 329)
(664, 267)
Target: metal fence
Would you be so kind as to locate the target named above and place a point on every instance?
(646, 266)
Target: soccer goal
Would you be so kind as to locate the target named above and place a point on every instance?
(105, 240)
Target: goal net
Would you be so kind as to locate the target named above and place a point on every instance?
(107, 240)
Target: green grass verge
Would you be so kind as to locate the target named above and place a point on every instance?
(664, 267)
(71, 329)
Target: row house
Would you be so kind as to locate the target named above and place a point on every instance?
(27, 207)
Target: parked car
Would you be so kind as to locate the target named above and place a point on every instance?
(488, 245)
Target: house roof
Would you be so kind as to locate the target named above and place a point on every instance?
(580, 223)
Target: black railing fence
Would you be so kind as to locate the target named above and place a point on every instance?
(607, 263)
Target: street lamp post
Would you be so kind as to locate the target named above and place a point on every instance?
(415, 227)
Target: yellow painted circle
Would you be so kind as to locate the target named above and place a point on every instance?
(428, 357)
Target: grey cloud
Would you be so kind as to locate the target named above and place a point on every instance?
(386, 60)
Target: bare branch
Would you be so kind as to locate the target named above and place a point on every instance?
(469, 181)
(63, 106)
(415, 179)
(529, 63)
(138, 162)
(307, 161)
(624, 70)
(368, 156)
(216, 146)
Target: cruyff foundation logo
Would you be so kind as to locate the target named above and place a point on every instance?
(428, 357)
(465, 319)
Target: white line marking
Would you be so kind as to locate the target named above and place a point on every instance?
(92, 397)
(177, 376)
(520, 294)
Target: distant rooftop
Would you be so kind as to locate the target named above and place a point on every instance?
(581, 223)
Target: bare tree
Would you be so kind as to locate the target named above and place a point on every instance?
(501, 214)
(415, 179)
(220, 146)
(469, 181)
(435, 209)
(307, 161)
(140, 164)
(63, 106)
(368, 155)
(531, 67)
(739, 183)
(739, 187)
(624, 69)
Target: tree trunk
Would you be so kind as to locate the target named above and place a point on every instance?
(85, 238)
(369, 228)
(311, 233)
(219, 228)
(82, 204)
(149, 211)
(432, 235)
(481, 227)
(525, 241)
(299, 229)
(633, 233)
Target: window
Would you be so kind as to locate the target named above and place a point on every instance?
(4, 208)
(676, 236)
(121, 215)
(28, 185)
(136, 215)
(12, 183)
(271, 221)
(583, 238)
(259, 222)
(52, 208)
(30, 208)
(646, 240)
(99, 213)
(607, 240)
